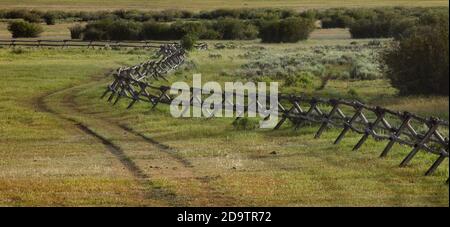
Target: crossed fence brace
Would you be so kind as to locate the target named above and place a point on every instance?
(133, 81)
(405, 128)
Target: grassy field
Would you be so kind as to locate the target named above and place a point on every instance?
(62, 145)
(196, 5)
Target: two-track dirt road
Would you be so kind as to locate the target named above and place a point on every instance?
(163, 174)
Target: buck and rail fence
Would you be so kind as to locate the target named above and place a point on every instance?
(421, 134)
(88, 44)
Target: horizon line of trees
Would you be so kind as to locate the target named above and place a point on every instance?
(383, 22)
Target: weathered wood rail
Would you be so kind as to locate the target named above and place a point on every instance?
(88, 44)
(430, 134)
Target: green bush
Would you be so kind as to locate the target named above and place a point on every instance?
(15, 14)
(32, 18)
(180, 29)
(371, 28)
(76, 31)
(337, 21)
(123, 30)
(210, 34)
(93, 34)
(188, 42)
(290, 30)
(419, 63)
(109, 29)
(27, 15)
(49, 18)
(156, 31)
(24, 29)
(231, 29)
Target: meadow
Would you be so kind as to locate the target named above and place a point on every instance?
(62, 145)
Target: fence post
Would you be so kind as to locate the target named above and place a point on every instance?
(433, 125)
(326, 120)
(358, 107)
(393, 137)
(368, 130)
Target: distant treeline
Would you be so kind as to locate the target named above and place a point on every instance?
(284, 30)
(382, 22)
(271, 25)
(142, 16)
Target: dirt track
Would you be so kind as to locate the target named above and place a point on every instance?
(148, 161)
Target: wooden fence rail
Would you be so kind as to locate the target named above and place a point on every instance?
(81, 43)
(430, 134)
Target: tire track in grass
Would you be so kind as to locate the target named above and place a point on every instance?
(165, 148)
(178, 169)
(151, 190)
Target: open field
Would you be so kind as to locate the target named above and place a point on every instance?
(197, 5)
(62, 145)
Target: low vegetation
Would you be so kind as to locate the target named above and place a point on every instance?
(289, 30)
(271, 25)
(21, 28)
(348, 62)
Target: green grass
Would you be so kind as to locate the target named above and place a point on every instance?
(197, 5)
(48, 161)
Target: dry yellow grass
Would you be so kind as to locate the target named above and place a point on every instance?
(196, 5)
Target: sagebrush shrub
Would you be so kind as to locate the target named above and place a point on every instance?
(24, 29)
(76, 31)
(364, 70)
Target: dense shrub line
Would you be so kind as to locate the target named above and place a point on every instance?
(289, 30)
(274, 31)
(142, 16)
(381, 22)
(120, 29)
(331, 18)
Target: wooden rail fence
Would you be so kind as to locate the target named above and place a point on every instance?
(88, 44)
(430, 134)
